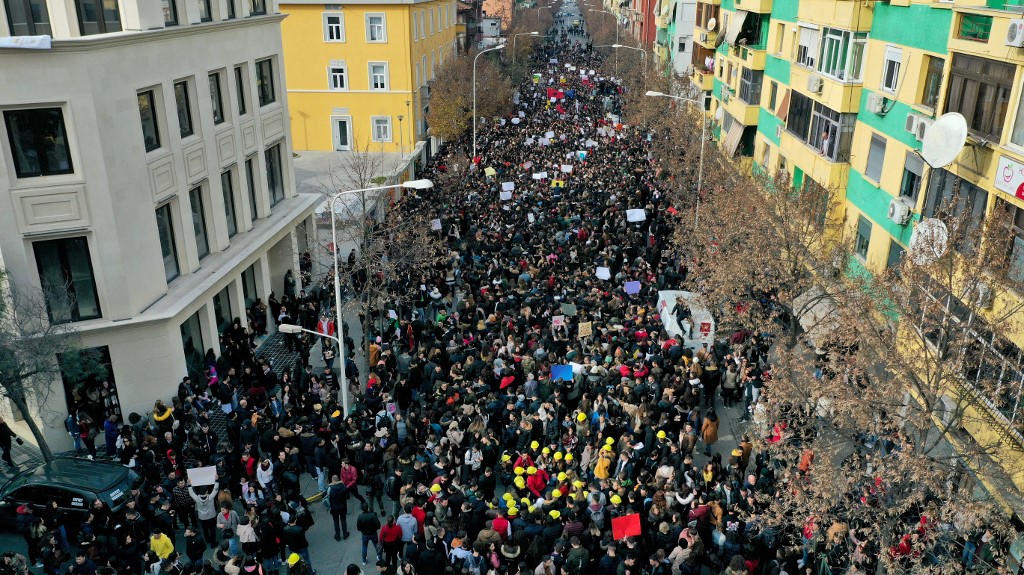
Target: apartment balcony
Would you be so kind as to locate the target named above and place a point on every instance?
(743, 112)
(701, 78)
(843, 97)
(752, 57)
(831, 174)
(705, 37)
(756, 6)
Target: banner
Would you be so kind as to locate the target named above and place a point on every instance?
(626, 526)
(586, 329)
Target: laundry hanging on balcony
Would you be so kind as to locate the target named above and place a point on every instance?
(736, 26)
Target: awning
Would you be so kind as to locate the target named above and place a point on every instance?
(816, 312)
(732, 139)
(736, 26)
(783, 110)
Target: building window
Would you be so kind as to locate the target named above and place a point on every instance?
(842, 54)
(1017, 133)
(337, 74)
(913, 172)
(807, 50)
(215, 98)
(227, 189)
(250, 184)
(205, 12)
(28, 17)
(195, 198)
(39, 142)
(265, 82)
(1015, 220)
(379, 75)
(831, 132)
(249, 285)
(98, 16)
(773, 93)
(240, 87)
(275, 174)
(66, 276)
(876, 158)
(980, 90)
(895, 256)
(969, 203)
(193, 347)
(184, 106)
(750, 86)
(334, 27)
(147, 113)
(376, 29)
(682, 45)
(170, 8)
(430, 21)
(799, 115)
(168, 243)
(974, 27)
(932, 81)
(863, 237)
(381, 128)
(222, 309)
(891, 69)
(257, 7)
(231, 9)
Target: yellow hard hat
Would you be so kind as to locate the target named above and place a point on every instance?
(512, 511)
(581, 417)
(506, 457)
(293, 559)
(556, 493)
(531, 470)
(609, 441)
(558, 455)
(520, 482)
(525, 500)
(554, 514)
(562, 476)
(531, 508)
(507, 496)
(534, 444)
(577, 484)
(546, 450)
(436, 488)
(616, 499)
(568, 457)
(572, 496)
(519, 470)
(662, 434)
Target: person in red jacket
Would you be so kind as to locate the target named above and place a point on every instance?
(502, 525)
(350, 477)
(536, 482)
(391, 540)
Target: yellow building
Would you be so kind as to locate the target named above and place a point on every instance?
(359, 73)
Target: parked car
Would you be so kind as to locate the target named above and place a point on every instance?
(73, 483)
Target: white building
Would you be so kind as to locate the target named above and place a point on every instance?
(146, 163)
(684, 13)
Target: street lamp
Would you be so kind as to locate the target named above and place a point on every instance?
(515, 38)
(480, 53)
(287, 328)
(703, 138)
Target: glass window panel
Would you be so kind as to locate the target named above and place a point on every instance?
(193, 346)
(184, 107)
(28, 17)
(195, 197)
(240, 87)
(250, 182)
(168, 244)
(227, 189)
(170, 9)
(216, 99)
(66, 276)
(147, 113)
(275, 175)
(39, 142)
(265, 82)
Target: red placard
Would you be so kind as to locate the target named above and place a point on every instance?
(705, 327)
(625, 526)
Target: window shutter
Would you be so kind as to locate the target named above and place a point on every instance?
(783, 109)
(915, 164)
(876, 157)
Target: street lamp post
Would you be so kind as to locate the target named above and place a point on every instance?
(703, 139)
(480, 53)
(515, 38)
(340, 325)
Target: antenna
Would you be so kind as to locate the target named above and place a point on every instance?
(929, 241)
(719, 114)
(711, 24)
(944, 140)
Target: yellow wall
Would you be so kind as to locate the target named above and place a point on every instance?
(312, 102)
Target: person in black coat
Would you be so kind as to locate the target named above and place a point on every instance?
(6, 436)
(337, 501)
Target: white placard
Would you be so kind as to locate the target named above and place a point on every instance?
(529, 141)
(566, 168)
(515, 121)
(604, 273)
(508, 186)
(505, 196)
(203, 475)
(636, 215)
(549, 134)
(590, 143)
(545, 142)
(435, 224)
(522, 114)
(540, 175)
(557, 321)
(530, 217)
(527, 165)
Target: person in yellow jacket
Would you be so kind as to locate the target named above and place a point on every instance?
(161, 544)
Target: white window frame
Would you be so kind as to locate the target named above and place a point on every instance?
(1017, 128)
(334, 132)
(383, 27)
(387, 79)
(331, 72)
(845, 41)
(894, 61)
(415, 19)
(430, 21)
(419, 78)
(808, 42)
(423, 25)
(876, 158)
(373, 129)
(341, 26)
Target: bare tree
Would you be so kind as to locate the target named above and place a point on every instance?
(34, 351)
(364, 165)
(451, 108)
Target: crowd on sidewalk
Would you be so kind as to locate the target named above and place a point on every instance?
(464, 455)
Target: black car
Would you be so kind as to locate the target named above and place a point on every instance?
(73, 483)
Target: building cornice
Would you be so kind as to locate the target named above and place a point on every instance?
(129, 37)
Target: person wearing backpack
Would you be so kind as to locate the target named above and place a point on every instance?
(337, 504)
(368, 524)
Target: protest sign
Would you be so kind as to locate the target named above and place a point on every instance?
(586, 328)
(626, 526)
(638, 215)
(563, 372)
(505, 196)
(508, 186)
(435, 224)
(203, 475)
(632, 287)
(604, 273)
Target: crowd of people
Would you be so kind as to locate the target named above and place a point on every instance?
(464, 454)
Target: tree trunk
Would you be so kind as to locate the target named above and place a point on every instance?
(18, 399)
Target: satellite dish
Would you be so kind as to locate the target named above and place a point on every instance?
(944, 140)
(719, 114)
(711, 24)
(929, 241)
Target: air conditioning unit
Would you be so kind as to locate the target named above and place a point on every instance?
(984, 298)
(1015, 34)
(814, 83)
(875, 103)
(899, 211)
(703, 36)
(911, 125)
(778, 130)
(922, 128)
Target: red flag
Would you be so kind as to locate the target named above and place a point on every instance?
(559, 109)
(552, 93)
(625, 526)
(672, 210)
